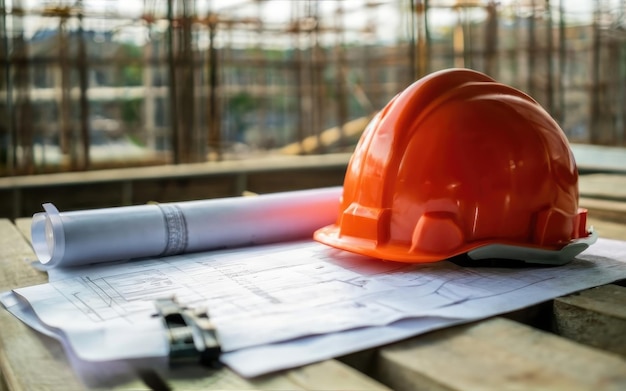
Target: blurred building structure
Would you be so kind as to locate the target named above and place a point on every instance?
(90, 84)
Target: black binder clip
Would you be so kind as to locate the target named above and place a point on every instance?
(191, 334)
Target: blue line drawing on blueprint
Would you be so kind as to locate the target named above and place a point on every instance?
(119, 295)
(291, 290)
(290, 300)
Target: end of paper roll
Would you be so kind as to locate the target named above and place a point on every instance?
(47, 235)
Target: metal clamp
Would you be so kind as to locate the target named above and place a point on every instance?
(191, 335)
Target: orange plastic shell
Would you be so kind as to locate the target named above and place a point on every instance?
(455, 162)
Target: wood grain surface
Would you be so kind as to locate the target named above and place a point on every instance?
(493, 354)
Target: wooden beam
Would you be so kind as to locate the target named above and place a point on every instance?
(252, 165)
(497, 354)
(603, 186)
(328, 138)
(595, 317)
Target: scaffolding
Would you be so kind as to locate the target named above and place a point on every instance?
(91, 84)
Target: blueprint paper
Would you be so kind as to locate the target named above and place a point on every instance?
(92, 373)
(112, 234)
(294, 300)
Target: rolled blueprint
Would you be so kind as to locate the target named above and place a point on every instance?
(110, 234)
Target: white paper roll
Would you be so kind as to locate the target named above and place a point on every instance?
(110, 234)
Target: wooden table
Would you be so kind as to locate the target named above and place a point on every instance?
(585, 348)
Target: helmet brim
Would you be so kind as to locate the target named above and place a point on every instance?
(330, 235)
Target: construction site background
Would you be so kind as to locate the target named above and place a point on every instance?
(97, 84)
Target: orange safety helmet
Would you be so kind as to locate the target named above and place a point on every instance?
(458, 163)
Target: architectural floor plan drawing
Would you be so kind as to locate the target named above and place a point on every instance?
(293, 297)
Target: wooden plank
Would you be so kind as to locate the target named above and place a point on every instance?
(106, 188)
(608, 229)
(599, 158)
(604, 186)
(252, 165)
(497, 354)
(23, 196)
(595, 317)
(15, 256)
(350, 132)
(606, 216)
(604, 209)
(614, 160)
(28, 360)
(23, 226)
(31, 361)
(325, 375)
